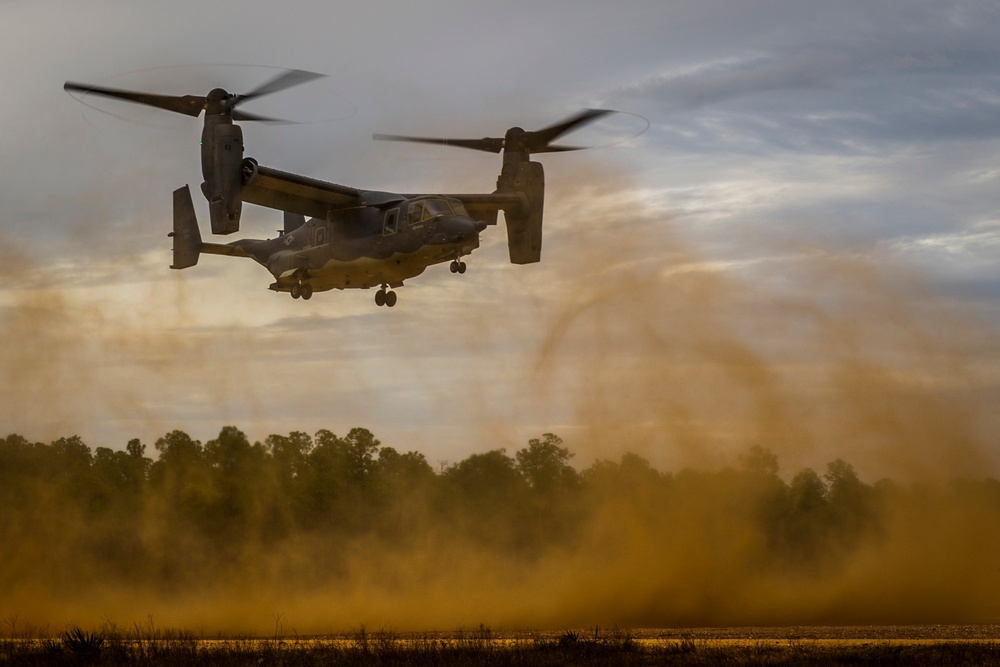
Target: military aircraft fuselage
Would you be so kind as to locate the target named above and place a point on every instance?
(364, 247)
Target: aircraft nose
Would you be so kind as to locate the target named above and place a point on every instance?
(459, 227)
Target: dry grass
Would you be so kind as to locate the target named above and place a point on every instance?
(149, 646)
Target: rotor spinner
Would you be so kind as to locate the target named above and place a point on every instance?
(220, 102)
(513, 141)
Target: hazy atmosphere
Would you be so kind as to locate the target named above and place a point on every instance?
(801, 253)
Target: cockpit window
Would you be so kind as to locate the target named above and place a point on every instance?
(433, 207)
(425, 209)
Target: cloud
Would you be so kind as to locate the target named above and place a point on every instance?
(711, 83)
(852, 85)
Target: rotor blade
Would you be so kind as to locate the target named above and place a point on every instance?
(243, 115)
(490, 145)
(553, 148)
(539, 139)
(190, 105)
(532, 142)
(286, 79)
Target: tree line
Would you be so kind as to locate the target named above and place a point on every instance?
(194, 512)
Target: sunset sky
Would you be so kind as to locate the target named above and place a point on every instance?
(801, 252)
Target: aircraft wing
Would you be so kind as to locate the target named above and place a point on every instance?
(485, 207)
(298, 194)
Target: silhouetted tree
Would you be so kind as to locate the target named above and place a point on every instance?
(290, 455)
(289, 472)
(238, 480)
(403, 486)
(852, 503)
(181, 480)
(177, 451)
(807, 517)
(337, 488)
(767, 494)
(545, 465)
(551, 508)
(485, 496)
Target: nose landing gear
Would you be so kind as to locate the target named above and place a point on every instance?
(457, 266)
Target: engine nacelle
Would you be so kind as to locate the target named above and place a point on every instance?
(249, 171)
(222, 188)
(524, 228)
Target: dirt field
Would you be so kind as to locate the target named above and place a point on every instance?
(900, 633)
(833, 646)
(828, 633)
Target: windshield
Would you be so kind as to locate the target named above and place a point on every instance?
(426, 209)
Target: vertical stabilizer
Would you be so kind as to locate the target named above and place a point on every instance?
(293, 221)
(187, 237)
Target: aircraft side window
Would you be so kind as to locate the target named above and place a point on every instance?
(320, 236)
(391, 222)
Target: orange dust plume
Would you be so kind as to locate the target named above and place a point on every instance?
(797, 436)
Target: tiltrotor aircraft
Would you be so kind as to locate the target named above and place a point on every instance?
(353, 238)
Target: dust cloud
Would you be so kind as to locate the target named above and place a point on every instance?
(622, 544)
(699, 395)
(70, 354)
(815, 353)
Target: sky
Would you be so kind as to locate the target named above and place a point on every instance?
(800, 252)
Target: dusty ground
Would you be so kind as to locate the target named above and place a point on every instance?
(843, 633)
(824, 633)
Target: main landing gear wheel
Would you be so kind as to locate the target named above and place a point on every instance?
(457, 266)
(383, 298)
(301, 291)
